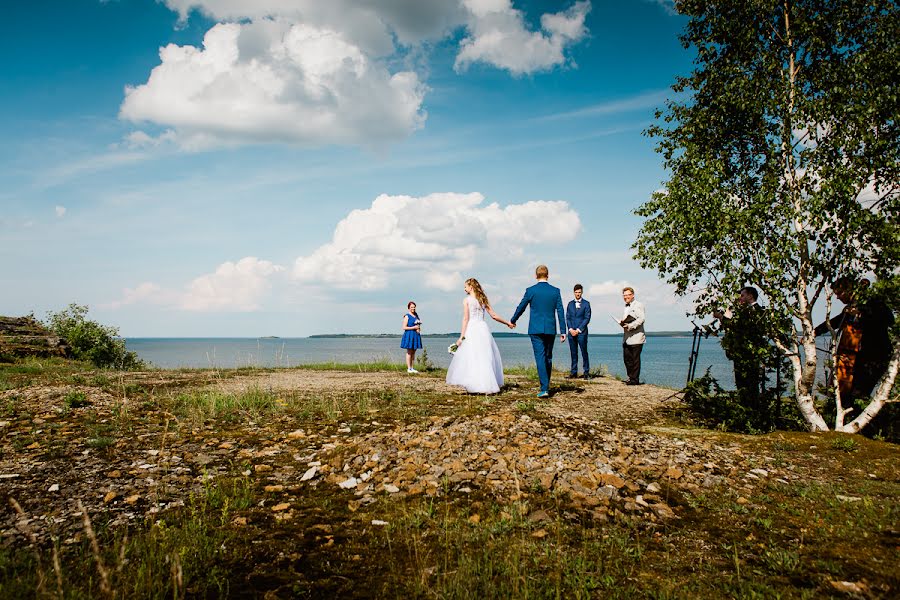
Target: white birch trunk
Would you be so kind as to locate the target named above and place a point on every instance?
(882, 395)
(805, 373)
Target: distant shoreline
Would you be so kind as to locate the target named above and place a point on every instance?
(497, 334)
(321, 336)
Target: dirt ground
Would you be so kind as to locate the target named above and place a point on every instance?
(325, 453)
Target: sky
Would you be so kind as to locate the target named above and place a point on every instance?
(192, 168)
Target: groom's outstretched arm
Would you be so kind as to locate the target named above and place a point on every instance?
(561, 316)
(526, 299)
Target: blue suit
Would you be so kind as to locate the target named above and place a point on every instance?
(545, 300)
(578, 318)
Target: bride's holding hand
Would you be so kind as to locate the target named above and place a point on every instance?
(476, 365)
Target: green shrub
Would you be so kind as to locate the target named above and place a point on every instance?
(91, 341)
(724, 409)
(76, 399)
(423, 363)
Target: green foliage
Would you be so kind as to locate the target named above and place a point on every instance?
(729, 410)
(76, 399)
(423, 363)
(784, 156)
(845, 444)
(91, 341)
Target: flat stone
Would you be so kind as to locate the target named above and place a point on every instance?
(673, 473)
(538, 516)
(349, 483)
(663, 511)
(613, 480)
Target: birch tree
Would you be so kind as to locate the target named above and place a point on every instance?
(782, 152)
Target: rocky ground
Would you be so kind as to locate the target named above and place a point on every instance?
(25, 336)
(129, 447)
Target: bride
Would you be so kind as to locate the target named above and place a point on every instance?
(476, 364)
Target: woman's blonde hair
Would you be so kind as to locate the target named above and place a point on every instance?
(478, 292)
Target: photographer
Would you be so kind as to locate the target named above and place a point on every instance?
(745, 344)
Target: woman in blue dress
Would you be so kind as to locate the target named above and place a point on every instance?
(412, 339)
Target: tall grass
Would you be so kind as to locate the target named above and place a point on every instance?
(203, 405)
(255, 403)
(441, 551)
(184, 552)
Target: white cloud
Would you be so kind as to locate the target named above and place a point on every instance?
(639, 102)
(498, 36)
(239, 286)
(667, 5)
(446, 282)
(272, 80)
(441, 235)
(316, 72)
(147, 292)
(371, 24)
(60, 211)
(233, 287)
(139, 140)
(607, 288)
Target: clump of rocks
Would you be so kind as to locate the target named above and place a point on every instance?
(25, 336)
(508, 455)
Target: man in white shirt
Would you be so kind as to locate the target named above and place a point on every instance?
(633, 337)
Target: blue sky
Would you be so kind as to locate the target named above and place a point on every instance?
(292, 167)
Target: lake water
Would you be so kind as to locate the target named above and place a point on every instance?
(664, 360)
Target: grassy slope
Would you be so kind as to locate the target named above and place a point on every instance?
(841, 524)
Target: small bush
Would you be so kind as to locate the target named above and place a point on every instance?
(91, 341)
(845, 444)
(423, 363)
(76, 400)
(724, 409)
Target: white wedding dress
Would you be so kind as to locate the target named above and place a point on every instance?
(476, 365)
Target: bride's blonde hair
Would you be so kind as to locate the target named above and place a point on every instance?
(478, 292)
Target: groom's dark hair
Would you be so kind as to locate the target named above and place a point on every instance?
(542, 272)
(577, 287)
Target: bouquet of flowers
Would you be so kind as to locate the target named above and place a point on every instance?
(453, 347)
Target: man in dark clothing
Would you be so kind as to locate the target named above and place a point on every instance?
(863, 338)
(578, 315)
(746, 345)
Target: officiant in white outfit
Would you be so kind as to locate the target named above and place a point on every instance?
(476, 364)
(633, 336)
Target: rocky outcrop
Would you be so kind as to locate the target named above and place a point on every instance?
(24, 336)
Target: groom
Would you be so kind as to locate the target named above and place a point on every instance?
(544, 300)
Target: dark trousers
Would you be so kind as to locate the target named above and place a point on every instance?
(631, 353)
(542, 344)
(747, 379)
(579, 341)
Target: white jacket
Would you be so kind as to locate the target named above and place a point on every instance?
(634, 331)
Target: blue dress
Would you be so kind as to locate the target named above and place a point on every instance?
(411, 339)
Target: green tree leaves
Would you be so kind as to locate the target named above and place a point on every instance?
(91, 341)
(784, 158)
